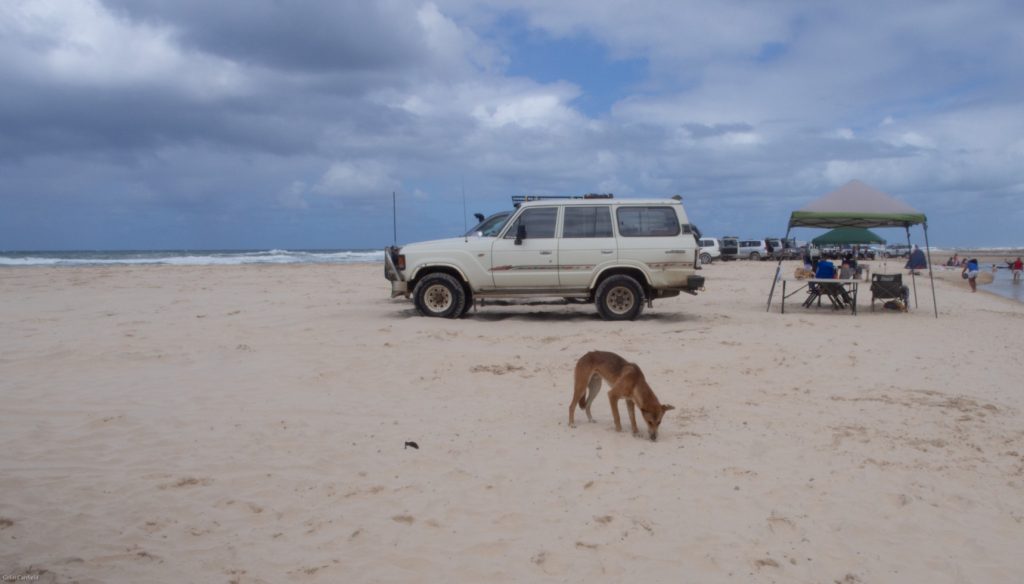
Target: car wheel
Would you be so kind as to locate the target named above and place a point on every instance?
(705, 258)
(619, 298)
(440, 295)
(468, 303)
(755, 256)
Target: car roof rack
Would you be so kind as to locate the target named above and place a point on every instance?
(518, 199)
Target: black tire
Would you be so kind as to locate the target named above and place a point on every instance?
(754, 257)
(705, 258)
(439, 295)
(468, 303)
(619, 297)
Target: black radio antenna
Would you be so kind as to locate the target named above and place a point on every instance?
(465, 228)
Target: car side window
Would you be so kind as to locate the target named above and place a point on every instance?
(647, 221)
(583, 222)
(539, 222)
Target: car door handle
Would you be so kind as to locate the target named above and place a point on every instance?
(545, 253)
(607, 251)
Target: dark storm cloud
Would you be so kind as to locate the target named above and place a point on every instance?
(305, 35)
(89, 121)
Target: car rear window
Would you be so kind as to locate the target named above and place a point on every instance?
(647, 221)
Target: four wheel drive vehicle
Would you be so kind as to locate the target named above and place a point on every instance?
(774, 244)
(753, 249)
(710, 249)
(871, 252)
(791, 249)
(730, 247)
(897, 251)
(831, 252)
(619, 254)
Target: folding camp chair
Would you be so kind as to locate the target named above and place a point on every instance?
(889, 287)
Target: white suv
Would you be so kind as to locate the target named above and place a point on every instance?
(753, 249)
(710, 249)
(620, 254)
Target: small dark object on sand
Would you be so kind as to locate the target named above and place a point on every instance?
(413, 444)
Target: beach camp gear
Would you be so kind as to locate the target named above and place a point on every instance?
(855, 204)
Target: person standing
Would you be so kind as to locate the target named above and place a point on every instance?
(1018, 268)
(971, 270)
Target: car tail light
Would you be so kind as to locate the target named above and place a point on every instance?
(400, 261)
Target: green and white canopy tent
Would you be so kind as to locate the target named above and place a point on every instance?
(855, 204)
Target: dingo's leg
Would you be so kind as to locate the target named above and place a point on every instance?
(631, 409)
(595, 387)
(614, 400)
(579, 395)
(622, 388)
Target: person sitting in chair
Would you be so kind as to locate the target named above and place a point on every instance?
(846, 271)
(825, 270)
(839, 296)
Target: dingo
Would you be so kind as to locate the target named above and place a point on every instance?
(626, 381)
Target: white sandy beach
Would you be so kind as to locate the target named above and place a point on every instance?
(247, 424)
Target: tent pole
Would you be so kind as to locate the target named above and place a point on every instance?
(778, 270)
(928, 250)
(913, 272)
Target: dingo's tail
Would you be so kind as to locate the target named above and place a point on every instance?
(594, 385)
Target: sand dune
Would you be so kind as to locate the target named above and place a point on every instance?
(248, 424)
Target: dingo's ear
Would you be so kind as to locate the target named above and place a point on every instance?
(667, 407)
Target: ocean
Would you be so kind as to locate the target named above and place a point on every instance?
(189, 257)
(1003, 285)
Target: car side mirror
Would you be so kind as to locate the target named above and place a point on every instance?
(520, 234)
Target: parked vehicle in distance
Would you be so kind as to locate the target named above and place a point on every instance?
(866, 252)
(791, 249)
(710, 250)
(619, 254)
(753, 249)
(897, 251)
(781, 249)
(831, 252)
(730, 248)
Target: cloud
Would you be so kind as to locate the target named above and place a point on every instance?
(264, 111)
(293, 197)
(356, 180)
(81, 43)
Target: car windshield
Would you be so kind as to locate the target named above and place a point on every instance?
(491, 226)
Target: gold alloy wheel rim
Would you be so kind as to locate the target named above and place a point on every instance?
(620, 300)
(438, 298)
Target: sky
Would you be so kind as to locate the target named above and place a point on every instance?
(260, 124)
